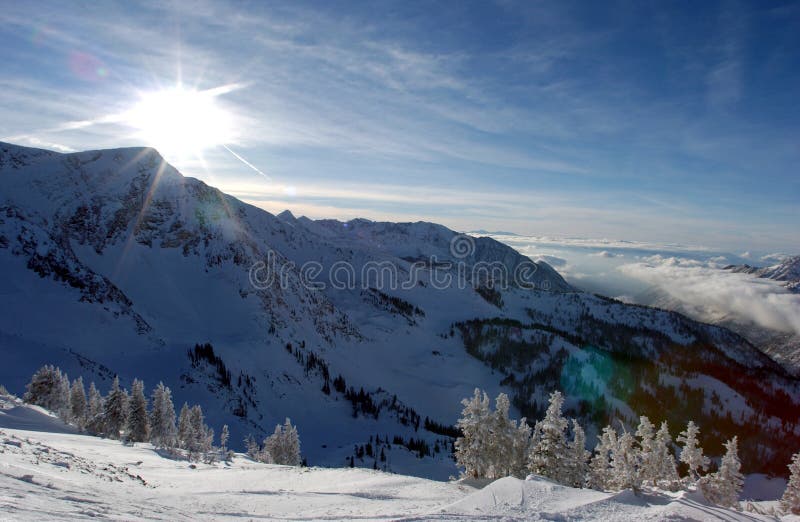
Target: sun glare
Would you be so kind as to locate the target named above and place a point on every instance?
(181, 122)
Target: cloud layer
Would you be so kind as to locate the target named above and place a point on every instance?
(713, 293)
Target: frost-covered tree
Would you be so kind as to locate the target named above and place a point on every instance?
(470, 448)
(647, 459)
(46, 390)
(185, 431)
(77, 403)
(283, 445)
(94, 411)
(115, 410)
(138, 425)
(521, 441)
(223, 438)
(600, 472)
(666, 471)
(548, 451)
(624, 462)
(252, 448)
(790, 502)
(63, 409)
(691, 452)
(203, 436)
(577, 457)
(163, 433)
(507, 450)
(724, 486)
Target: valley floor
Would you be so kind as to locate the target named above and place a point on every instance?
(47, 472)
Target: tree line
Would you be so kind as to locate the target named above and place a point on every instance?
(126, 416)
(493, 445)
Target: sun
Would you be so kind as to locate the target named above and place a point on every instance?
(181, 122)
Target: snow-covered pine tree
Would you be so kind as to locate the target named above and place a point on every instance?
(470, 448)
(115, 411)
(197, 438)
(138, 425)
(577, 457)
(163, 433)
(501, 458)
(547, 456)
(223, 438)
(94, 411)
(77, 403)
(648, 464)
(251, 446)
(624, 461)
(691, 452)
(600, 472)
(521, 441)
(724, 486)
(64, 396)
(283, 446)
(790, 501)
(185, 432)
(666, 471)
(44, 389)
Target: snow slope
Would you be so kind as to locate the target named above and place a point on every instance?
(115, 263)
(48, 473)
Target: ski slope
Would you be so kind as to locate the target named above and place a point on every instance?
(49, 472)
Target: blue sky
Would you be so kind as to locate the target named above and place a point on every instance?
(649, 121)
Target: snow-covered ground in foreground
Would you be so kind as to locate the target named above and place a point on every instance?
(49, 472)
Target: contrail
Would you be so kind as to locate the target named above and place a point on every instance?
(246, 162)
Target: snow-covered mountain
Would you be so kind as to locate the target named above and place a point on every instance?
(787, 271)
(360, 331)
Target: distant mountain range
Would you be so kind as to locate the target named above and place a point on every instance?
(366, 334)
(787, 271)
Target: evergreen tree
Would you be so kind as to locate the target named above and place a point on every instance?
(163, 433)
(77, 403)
(45, 389)
(666, 471)
(519, 449)
(115, 411)
(283, 445)
(600, 472)
(691, 452)
(94, 411)
(202, 436)
(185, 431)
(624, 460)
(251, 446)
(547, 456)
(790, 502)
(506, 453)
(64, 395)
(470, 448)
(647, 459)
(577, 457)
(138, 425)
(223, 438)
(724, 486)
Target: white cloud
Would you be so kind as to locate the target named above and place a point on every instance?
(712, 294)
(774, 258)
(606, 254)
